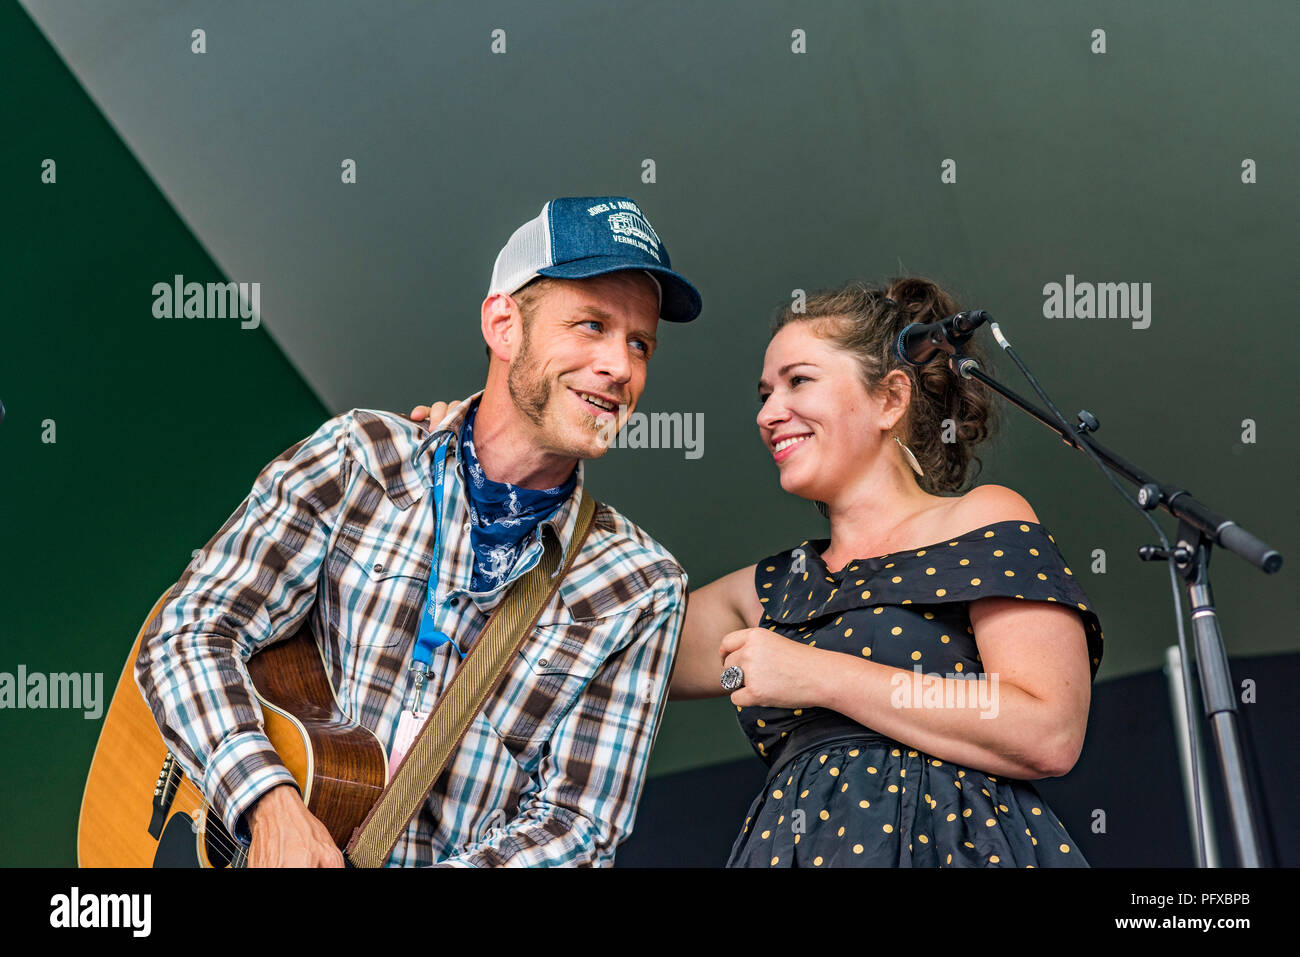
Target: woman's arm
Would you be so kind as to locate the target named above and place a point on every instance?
(1029, 724)
(1030, 719)
(721, 606)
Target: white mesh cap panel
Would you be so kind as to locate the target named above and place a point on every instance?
(528, 250)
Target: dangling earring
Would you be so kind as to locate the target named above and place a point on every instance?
(911, 459)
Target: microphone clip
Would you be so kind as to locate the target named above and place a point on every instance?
(918, 342)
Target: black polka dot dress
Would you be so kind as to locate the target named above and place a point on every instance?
(839, 794)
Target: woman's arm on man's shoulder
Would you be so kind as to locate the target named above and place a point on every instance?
(720, 607)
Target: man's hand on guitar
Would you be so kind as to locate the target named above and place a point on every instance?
(286, 834)
(434, 413)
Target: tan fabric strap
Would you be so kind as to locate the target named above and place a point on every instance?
(475, 680)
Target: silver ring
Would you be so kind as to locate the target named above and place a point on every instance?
(732, 678)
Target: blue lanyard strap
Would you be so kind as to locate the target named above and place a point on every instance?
(431, 636)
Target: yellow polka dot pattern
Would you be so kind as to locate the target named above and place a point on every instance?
(847, 796)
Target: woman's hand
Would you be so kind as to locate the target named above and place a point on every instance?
(434, 413)
(720, 607)
(779, 672)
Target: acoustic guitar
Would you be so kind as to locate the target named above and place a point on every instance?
(140, 809)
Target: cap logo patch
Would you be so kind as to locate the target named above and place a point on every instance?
(632, 229)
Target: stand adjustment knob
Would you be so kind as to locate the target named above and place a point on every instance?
(1154, 553)
(1149, 496)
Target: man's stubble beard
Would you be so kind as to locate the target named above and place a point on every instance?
(531, 391)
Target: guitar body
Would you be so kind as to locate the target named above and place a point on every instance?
(139, 808)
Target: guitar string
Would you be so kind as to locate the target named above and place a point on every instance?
(217, 834)
(215, 829)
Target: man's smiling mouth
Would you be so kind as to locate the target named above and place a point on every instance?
(598, 403)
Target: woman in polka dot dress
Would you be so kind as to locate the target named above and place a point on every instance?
(906, 678)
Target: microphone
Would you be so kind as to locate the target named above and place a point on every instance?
(918, 342)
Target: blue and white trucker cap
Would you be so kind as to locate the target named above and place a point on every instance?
(578, 237)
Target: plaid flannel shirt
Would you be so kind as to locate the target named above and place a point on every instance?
(339, 529)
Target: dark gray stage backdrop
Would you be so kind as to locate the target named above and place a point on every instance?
(996, 147)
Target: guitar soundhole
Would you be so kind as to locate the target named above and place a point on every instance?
(177, 847)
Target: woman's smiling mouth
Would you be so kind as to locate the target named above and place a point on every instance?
(784, 447)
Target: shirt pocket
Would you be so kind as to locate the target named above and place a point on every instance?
(553, 668)
(378, 587)
(563, 648)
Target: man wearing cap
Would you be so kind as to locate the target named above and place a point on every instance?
(397, 566)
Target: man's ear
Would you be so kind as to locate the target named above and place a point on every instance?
(502, 325)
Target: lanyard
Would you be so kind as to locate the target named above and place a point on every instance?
(431, 636)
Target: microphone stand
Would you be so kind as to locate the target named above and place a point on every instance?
(1199, 529)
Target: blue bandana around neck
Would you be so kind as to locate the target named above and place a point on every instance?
(501, 515)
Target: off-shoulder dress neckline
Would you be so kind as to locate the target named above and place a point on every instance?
(818, 545)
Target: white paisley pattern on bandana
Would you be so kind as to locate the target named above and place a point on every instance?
(501, 514)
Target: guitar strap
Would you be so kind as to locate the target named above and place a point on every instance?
(478, 676)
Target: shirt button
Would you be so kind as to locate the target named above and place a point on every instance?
(467, 527)
(379, 567)
(543, 662)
